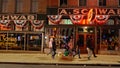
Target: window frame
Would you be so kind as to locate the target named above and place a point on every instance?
(19, 6)
(83, 1)
(0, 6)
(103, 3)
(4, 6)
(118, 3)
(34, 6)
(60, 4)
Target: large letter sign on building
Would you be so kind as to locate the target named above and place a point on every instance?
(86, 16)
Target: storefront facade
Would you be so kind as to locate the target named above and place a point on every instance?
(100, 23)
(21, 32)
(28, 25)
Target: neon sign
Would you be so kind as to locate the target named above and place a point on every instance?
(88, 16)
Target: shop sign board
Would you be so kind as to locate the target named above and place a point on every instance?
(84, 11)
(18, 17)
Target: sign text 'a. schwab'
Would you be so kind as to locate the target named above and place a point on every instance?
(84, 11)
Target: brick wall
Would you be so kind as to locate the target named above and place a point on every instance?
(52, 3)
(11, 6)
(26, 6)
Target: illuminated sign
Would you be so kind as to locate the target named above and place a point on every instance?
(18, 17)
(84, 11)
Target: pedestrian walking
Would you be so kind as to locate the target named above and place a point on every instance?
(53, 48)
(70, 45)
(79, 44)
(90, 47)
(50, 45)
(66, 52)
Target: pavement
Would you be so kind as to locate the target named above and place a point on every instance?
(41, 58)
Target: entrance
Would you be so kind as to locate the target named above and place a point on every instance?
(83, 36)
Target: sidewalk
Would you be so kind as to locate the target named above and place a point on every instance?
(37, 58)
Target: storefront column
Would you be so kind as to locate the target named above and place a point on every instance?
(96, 46)
(25, 42)
(7, 42)
(100, 37)
(42, 45)
(119, 35)
(74, 33)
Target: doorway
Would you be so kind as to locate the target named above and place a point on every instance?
(83, 36)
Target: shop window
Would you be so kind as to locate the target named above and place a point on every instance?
(82, 2)
(102, 2)
(4, 6)
(119, 3)
(11, 41)
(110, 39)
(3, 37)
(66, 21)
(34, 6)
(34, 41)
(63, 3)
(20, 40)
(62, 36)
(110, 22)
(8, 41)
(19, 6)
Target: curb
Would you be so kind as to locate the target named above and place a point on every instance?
(60, 64)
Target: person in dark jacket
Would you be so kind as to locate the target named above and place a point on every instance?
(90, 47)
(79, 44)
(53, 48)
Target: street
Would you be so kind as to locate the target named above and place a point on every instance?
(51, 66)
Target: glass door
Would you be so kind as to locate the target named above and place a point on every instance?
(82, 36)
(82, 39)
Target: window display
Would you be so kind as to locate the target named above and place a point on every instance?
(110, 39)
(20, 41)
(62, 35)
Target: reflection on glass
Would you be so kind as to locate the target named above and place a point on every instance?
(34, 41)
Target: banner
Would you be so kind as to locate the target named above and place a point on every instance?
(101, 19)
(20, 23)
(76, 19)
(37, 23)
(55, 19)
(4, 22)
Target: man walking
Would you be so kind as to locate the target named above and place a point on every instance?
(53, 48)
(79, 44)
(90, 47)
